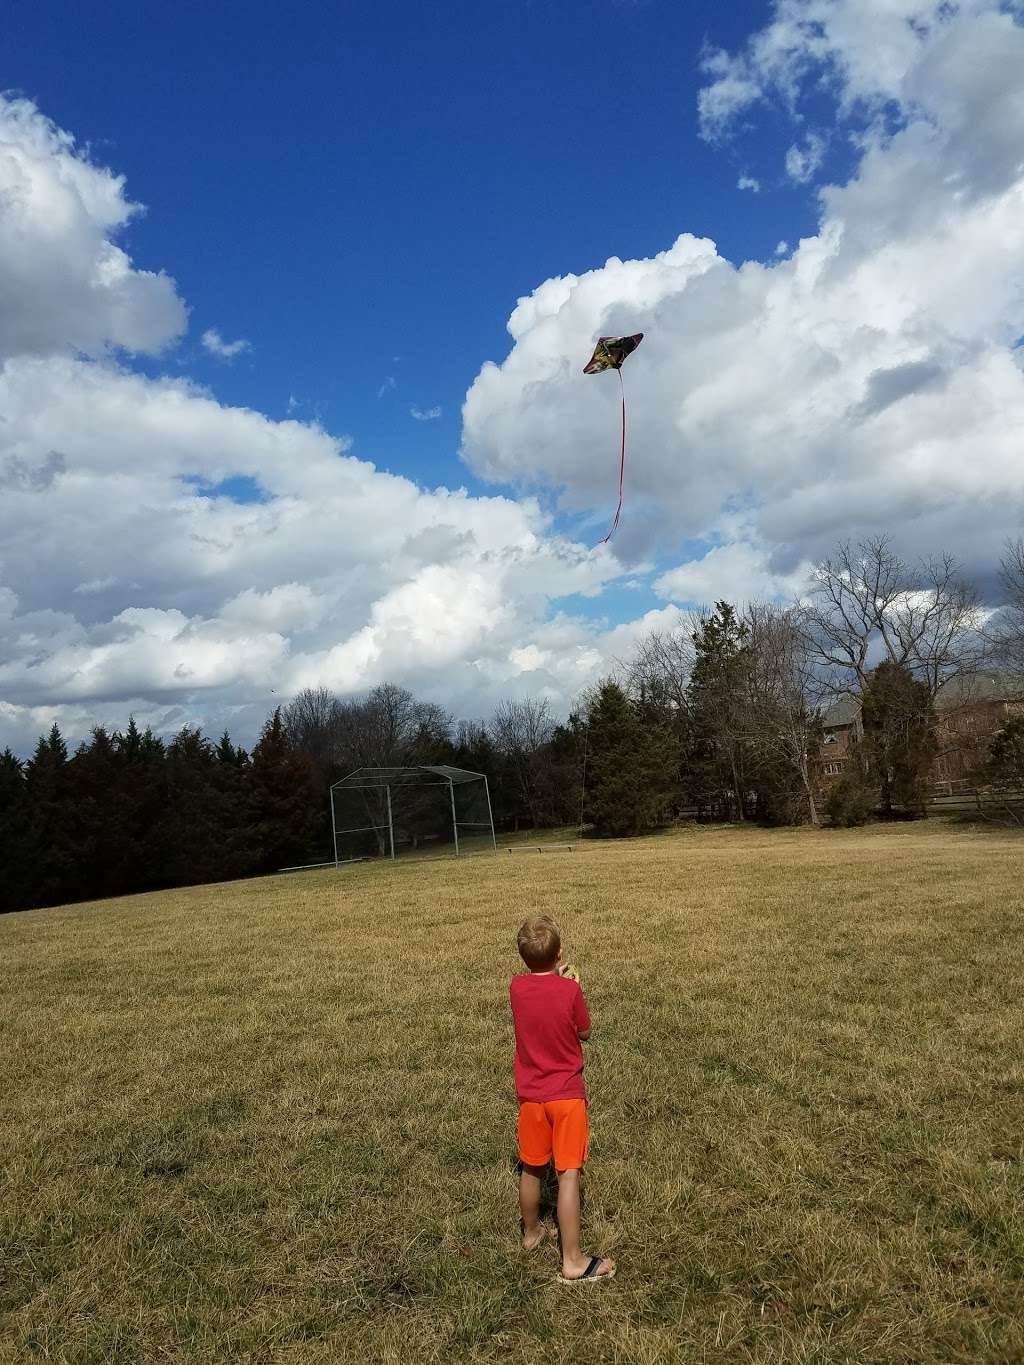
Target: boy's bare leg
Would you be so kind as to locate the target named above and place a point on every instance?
(574, 1262)
(530, 1178)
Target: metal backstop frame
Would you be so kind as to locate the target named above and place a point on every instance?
(425, 775)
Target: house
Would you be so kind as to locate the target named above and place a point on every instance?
(841, 730)
(968, 713)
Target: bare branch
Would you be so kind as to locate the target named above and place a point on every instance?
(865, 601)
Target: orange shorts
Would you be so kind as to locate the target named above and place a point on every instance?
(557, 1127)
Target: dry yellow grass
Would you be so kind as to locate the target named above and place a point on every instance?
(272, 1121)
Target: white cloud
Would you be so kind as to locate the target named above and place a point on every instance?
(862, 49)
(225, 601)
(389, 383)
(425, 414)
(733, 89)
(131, 580)
(865, 382)
(65, 283)
(748, 182)
(223, 350)
(94, 586)
(802, 163)
(782, 248)
(739, 572)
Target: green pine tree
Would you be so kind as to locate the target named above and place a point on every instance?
(15, 883)
(49, 844)
(899, 737)
(631, 766)
(719, 720)
(284, 813)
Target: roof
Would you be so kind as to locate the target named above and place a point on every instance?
(968, 689)
(425, 775)
(979, 687)
(842, 712)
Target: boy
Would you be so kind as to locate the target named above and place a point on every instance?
(551, 1020)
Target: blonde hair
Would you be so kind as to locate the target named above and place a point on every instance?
(539, 942)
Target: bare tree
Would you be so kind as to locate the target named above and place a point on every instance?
(522, 731)
(389, 728)
(312, 722)
(866, 603)
(1006, 632)
(662, 664)
(743, 696)
(784, 692)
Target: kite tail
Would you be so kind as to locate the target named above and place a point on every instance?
(622, 464)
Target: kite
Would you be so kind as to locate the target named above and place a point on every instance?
(609, 354)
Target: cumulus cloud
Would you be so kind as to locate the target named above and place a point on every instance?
(863, 50)
(737, 572)
(748, 182)
(246, 593)
(133, 579)
(867, 381)
(226, 601)
(223, 350)
(65, 282)
(425, 414)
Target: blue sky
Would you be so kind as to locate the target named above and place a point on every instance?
(363, 191)
(376, 211)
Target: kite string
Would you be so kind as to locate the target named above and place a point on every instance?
(622, 461)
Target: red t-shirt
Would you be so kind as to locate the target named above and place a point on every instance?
(549, 1014)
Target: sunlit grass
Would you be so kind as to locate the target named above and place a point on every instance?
(273, 1120)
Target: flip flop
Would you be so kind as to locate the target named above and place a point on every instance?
(590, 1274)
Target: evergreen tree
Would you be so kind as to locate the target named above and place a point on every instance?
(202, 835)
(719, 718)
(631, 766)
(656, 708)
(50, 852)
(899, 739)
(853, 800)
(283, 808)
(229, 755)
(16, 882)
(139, 805)
(569, 751)
(1004, 766)
(1002, 772)
(95, 817)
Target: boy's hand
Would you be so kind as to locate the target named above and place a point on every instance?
(567, 969)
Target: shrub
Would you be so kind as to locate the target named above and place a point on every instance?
(851, 801)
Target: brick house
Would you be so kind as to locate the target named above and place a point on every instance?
(969, 712)
(841, 727)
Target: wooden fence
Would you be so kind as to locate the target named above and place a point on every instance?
(985, 803)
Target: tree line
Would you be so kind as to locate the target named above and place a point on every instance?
(720, 718)
(128, 812)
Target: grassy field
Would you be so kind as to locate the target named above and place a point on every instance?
(273, 1120)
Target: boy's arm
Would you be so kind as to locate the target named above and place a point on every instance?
(581, 1017)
